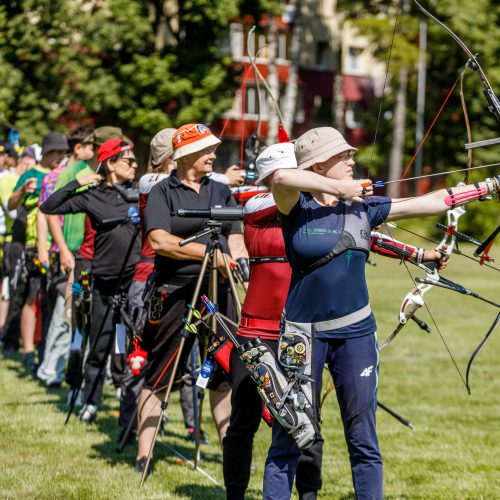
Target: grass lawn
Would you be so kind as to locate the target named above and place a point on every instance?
(453, 452)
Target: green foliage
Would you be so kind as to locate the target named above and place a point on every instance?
(478, 24)
(64, 62)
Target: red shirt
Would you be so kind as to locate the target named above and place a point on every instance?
(87, 247)
(269, 282)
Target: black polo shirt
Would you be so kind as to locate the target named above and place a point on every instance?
(165, 199)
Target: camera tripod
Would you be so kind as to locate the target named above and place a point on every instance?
(213, 247)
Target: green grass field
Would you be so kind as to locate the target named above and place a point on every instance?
(453, 452)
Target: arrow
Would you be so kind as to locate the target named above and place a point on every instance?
(381, 184)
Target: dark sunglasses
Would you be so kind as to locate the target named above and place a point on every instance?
(131, 160)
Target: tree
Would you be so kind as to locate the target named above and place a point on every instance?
(478, 23)
(139, 65)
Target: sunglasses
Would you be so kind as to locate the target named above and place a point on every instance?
(131, 160)
(346, 155)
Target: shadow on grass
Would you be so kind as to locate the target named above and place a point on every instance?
(197, 491)
(107, 450)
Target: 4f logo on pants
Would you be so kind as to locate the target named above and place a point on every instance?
(367, 372)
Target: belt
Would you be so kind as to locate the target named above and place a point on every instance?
(330, 324)
(264, 324)
(265, 260)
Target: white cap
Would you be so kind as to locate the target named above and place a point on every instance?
(273, 158)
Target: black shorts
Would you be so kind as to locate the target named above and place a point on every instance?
(162, 337)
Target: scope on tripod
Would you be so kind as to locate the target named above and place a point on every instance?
(215, 213)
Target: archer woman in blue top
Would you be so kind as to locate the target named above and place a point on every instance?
(327, 244)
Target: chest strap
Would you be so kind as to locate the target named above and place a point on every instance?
(346, 241)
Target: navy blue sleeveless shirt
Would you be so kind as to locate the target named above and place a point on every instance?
(337, 288)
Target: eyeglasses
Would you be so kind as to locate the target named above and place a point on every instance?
(131, 160)
(346, 155)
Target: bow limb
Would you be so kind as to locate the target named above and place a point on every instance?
(259, 75)
(412, 302)
(414, 299)
(494, 103)
(252, 58)
(476, 351)
(449, 242)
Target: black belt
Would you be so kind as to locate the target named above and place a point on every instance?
(265, 260)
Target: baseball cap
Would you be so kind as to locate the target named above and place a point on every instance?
(318, 145)
(102, 134)
(192, 138)
(54, 141)
(273, 158)
(111, 148)
(161, 146)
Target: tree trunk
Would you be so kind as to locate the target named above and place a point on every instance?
(398, 139)
(338, 101)
(290, 101)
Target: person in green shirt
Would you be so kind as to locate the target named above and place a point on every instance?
(58, 338)
(69, 236)
(25, 196)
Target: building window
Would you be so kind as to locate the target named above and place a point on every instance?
(353, 60)
(252, 102)
(322, 110)
(353, 114)
(283, 46)
(236, 41)
(321, 55)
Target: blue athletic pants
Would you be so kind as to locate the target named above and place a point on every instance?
(353, 364)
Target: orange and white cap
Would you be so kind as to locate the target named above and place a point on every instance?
(192, 138)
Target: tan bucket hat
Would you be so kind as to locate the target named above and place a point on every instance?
(161, 146)
(318, 145)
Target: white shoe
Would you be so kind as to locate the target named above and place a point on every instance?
(118, 393)
(88, 414)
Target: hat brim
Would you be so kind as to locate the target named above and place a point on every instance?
(91, 139)
(55, 147)
(326, 155)
(196, 146)
(265, 175)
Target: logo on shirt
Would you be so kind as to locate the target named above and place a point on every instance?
(348, 256)
(365, 235)
(367, 372)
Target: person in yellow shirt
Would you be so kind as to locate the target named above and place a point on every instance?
(25, 199)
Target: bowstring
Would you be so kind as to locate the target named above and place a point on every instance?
(385, 224)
